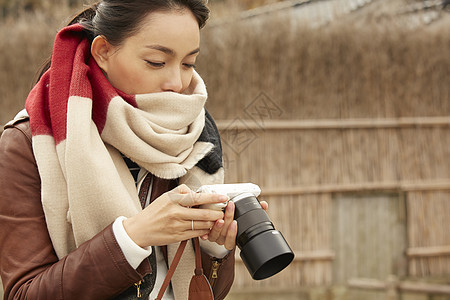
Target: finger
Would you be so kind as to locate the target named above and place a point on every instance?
(198, 214)
(216, 230)
(228, 219)
(229, 216)
(219, 231)
(192, 234)
(183, 189)
(230, 241)
(264, 205)
(181, 194)
(192, 198)
(199, 225)
(204, 198)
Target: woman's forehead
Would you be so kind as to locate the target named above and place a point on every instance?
(177, 30)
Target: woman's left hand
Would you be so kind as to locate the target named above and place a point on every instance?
(224, 230)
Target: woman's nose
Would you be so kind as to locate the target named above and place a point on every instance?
(173, 82)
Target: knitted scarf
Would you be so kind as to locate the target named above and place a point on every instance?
(81, 126)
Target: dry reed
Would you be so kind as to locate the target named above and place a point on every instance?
(26, 44)
(339, 71)
(428, 226)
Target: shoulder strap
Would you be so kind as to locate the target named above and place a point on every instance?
(172, 268)
(198, 257)
(199, 287)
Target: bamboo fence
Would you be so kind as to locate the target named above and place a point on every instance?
(302, 170)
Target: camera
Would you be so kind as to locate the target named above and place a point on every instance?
(264, 250)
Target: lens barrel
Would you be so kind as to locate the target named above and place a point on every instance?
(264, 250)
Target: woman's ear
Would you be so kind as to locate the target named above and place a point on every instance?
(100, 50)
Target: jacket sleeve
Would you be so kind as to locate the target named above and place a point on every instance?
(29, 266)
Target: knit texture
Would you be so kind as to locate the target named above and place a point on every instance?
(81, 126)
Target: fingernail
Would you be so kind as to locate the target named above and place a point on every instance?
(224, 198)
(234, 224)
(220, 223)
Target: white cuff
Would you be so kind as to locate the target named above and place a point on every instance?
(133, 252)
(213, 249)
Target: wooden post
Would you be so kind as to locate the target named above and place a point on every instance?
(392, 288)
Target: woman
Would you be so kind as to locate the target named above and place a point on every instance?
(116, 123)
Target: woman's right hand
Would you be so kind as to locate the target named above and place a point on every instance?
(173, 217)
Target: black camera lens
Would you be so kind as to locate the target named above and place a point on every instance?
(264, 250)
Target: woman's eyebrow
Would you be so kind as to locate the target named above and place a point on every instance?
(169, 51)
(195, 51)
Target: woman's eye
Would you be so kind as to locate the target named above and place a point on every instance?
(189, 66)
(155, 64)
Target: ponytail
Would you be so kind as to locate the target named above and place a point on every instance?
(86, 15)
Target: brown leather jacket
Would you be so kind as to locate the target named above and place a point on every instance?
(29, 266)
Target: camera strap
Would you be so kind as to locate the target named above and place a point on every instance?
(199, 287)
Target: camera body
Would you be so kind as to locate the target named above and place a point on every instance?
(264, 250)
(231, 190)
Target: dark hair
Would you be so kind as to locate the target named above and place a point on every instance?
(118, 19)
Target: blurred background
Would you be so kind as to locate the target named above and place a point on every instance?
(338, 109)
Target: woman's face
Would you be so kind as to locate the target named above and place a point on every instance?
(159, 58)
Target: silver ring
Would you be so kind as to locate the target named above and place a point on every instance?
(192, 225)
